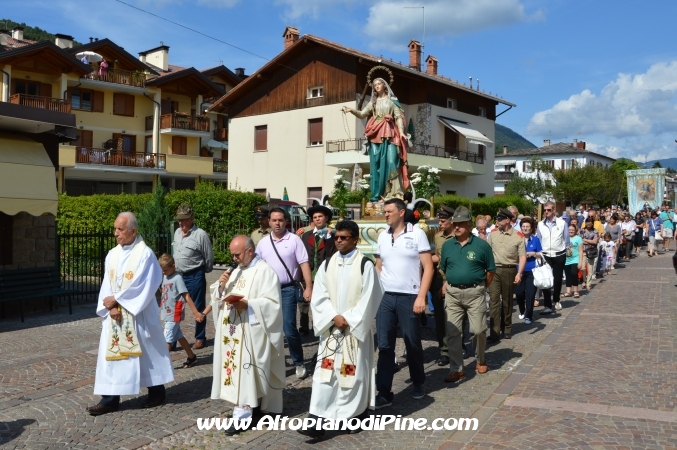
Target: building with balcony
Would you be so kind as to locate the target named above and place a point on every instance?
(562, 156)
(138, 119)
(287, 128)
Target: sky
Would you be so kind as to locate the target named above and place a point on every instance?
(603, 72)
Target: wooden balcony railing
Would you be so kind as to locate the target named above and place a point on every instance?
(35, 101)
(221, 134)
(118, 76)
(345, 145)
(184, 122)
(220, 165)
(503, 176)
(85, 155)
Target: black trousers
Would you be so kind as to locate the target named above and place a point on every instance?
(557, 264)
(526, 294)
(572, 274)
(154, 392)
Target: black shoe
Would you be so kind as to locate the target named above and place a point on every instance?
(99, 409)
(507, 336)
(311, 433)
(443, 361)
(153, 402)
(382, 402)
(303, 331)
(493, 339)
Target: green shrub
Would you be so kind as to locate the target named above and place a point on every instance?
(96, 212)
(487, 205)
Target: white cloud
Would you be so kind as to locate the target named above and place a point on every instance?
(295, 9)
(218, 3)
(630, 106)
(391, 26)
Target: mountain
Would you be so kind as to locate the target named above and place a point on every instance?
(32, 33)
(669, 162)
(514, 141)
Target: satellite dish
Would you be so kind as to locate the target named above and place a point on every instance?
(512, 170)
(542, 199)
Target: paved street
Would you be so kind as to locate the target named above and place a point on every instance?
(602, 374)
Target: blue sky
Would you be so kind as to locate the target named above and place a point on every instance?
(604, 72)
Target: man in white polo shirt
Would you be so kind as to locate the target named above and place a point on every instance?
(402, 250)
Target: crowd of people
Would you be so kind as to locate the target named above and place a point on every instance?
(357, 305)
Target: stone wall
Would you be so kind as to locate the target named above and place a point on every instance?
(422, 125)
(33, 242)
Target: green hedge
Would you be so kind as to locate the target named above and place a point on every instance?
(220, 212)
(487, 205)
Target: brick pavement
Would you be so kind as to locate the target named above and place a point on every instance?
(577, 357)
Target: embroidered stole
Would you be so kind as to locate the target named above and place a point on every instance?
(122, 338)
(232, 332)
(349, 344)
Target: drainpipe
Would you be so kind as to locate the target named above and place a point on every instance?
(509, 108)
(66, 91)
(156, 136)
(6, 97)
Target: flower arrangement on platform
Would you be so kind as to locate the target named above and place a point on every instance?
(426, 181)
(339, 196)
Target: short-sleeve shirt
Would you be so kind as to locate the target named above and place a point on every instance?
(171, 303)
(667, 222)
(440, 239)
(589, 235)
(193, 250)
(507, 247)
(291, 250)
(259, 234)
(575, 256)
(400, 259)
(654, 225)
(532, 245)
(614, 231)
(467, 264)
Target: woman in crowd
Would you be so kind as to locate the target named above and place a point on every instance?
(614, 229)
(628, 227)
(590, 240)
(668, 228)
(525, 290)
(639, 233)
(574, 261)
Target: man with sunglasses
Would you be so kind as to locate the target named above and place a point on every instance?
(554, 236)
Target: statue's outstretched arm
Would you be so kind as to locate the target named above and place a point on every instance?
(366, 112)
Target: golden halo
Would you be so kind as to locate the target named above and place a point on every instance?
(390, 72)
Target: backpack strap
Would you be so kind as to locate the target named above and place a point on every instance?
(365, 260)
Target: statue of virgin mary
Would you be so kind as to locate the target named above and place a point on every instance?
(387, 142)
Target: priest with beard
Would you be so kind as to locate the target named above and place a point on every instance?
(346, 297)
(249, 346)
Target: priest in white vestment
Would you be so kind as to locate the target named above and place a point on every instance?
(249, 345)
(346, 297)
(132, 350)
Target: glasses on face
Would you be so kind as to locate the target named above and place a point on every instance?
(342, 238)
(547, 209)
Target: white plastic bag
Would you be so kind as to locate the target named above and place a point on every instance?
(543, 278)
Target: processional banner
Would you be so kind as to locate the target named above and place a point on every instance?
(645, 188)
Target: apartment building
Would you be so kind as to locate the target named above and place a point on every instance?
(561, 155)
(138, 119)
(287, 128)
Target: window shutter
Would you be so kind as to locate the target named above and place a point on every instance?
(45, 90)
(129, 105)
(261, 138)
(480, 150)
(86, 138)
(179, 145)
(97, 101)
(562, 164)
(13, 87)
(165, 107)
(117, 141)
(315, 130)
(119, 104)
(6, 238)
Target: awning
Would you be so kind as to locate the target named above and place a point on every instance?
(27, 177)
(216, 144)
(472, 135)
(504, 162)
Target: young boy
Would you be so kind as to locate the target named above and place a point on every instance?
(172, 311)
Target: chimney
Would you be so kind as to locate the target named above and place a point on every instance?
(18, 33)
(581, 145)
(546, 142)
(158, 56)
(431, 65)
(505, 149)
(290, 35)
(575, 143)
(4, 34)
(63, 40)
(415, 55)
(240, 72)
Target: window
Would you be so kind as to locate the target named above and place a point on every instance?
(179, 145)
(481, 195)
(149, 144)
(451, 103)
(315, 132)
(314, 193)
(6, 232)
(81, 99)
(26, 87)
(481, 151)
(260, 192)
(316, 92)
(483, 112)
(261, 138)
(451, 192)
(123, 104)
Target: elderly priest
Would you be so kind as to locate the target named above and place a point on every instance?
(249, 345)
(346, 297)
(132, 349)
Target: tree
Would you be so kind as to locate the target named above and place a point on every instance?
(657, 165)
(589, 184)
(154, 221)
(531, 187)
(620, 166)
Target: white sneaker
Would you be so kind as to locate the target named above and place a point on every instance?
(521, 316)
(301, 372)
(558, 306)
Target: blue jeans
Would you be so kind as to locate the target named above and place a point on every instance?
(196, 283)
(398, 308)
(291, 332)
